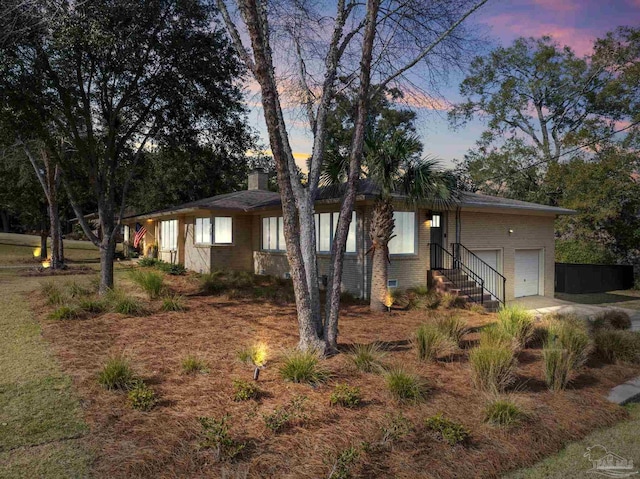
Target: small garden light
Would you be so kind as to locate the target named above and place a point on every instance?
(256, 355)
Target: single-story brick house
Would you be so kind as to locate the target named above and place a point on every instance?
(504, 247)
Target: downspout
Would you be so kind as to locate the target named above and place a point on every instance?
(458, 225)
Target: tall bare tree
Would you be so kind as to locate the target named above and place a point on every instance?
(393, 41)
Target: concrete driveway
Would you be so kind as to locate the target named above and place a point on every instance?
(541, 305)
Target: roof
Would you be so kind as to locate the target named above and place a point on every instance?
(252, 200)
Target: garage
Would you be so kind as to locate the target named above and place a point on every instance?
(489, 256)
(527, 272)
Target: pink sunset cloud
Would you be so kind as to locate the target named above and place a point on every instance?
(579, 39)
(557, 5)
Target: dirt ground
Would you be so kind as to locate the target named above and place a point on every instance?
(165, 441)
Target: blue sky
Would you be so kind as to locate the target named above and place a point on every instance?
(571, 22)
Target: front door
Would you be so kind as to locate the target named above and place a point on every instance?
(437, 238)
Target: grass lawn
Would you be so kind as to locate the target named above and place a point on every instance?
(41, 424)
(390, 437)
(17, 249)
(622, 439)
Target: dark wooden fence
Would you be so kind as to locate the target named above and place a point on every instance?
(592, 278)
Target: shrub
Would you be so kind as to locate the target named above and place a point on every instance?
(618, 346)
(344, 462)
(217, 438)
(503, 412)
(517, 322)
(174, 269)
(612, 319)
(254, 355)
(116, 374)
(303, 367)
(284, 416)
(431, 343)
(92, 306)
(147, 261)
(493, 368)
(557, 365)
(452, 326)
(244, 390)
(448, 300)
(150, 281)
(419, 297)
(192, 365)
(345, 396)
(66, 312)
(405, 386)
(571, 334)
(173, 302)
(447, 430)
(367, 357)
(212, 283)
(141, 396)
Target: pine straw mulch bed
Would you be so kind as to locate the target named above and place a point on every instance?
(165, 442)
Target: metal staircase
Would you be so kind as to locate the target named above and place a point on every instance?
(466, 275)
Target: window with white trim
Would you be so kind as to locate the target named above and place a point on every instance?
(273, 234)
(203, 231)
(404, 240)
(223, 230)
(326, 225)
(169, 235)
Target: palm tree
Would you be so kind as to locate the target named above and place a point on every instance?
(393, 164)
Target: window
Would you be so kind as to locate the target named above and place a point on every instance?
(169, 235)
(404, 241)
(221, 233)
(273, 234)
(326, 225)
(435, 220)
(126, 233)
(392, 283)
(203, 231)
(223, 230)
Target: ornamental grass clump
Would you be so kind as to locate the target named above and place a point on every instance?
(432, 343)
(367, 357)
(447, 430)
(493, 368)
(615, 346)
(303, 367)
(452, 326)
(173, 302)
(516, 322)
(345, 396)
(557, 365)
(117, 374)
(405, 386)
(571, 334)
(503, 412)
(193, 364)
(150, 281)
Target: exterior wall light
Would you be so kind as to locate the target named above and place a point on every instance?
(510, 231)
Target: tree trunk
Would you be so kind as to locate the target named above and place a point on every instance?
(107, 254)
(43, 245)
(297, 220)
(379, 275)
(4, 216)
(380, 232)
(54, 221)
(355, 160)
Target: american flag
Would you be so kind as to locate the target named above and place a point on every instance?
(140, 232)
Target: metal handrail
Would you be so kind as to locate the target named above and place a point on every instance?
(452, 269)
(494, 282)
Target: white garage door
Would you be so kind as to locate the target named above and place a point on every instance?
(527, 272)
(488, 256)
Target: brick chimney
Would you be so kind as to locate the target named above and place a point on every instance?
(258, 180)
